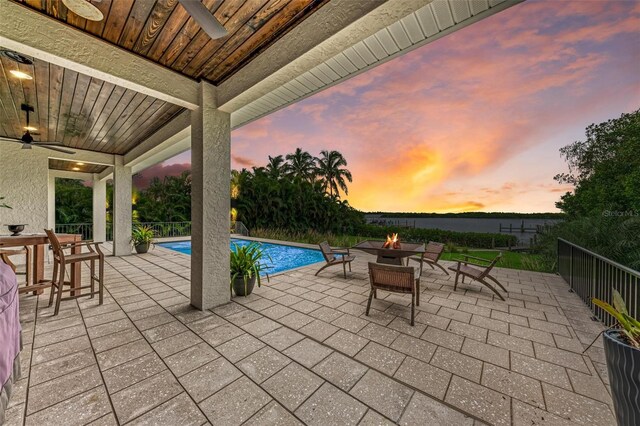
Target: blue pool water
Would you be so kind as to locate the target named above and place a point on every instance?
(283, 257)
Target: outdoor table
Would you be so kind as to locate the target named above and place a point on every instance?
(390, 255)
(39, 242)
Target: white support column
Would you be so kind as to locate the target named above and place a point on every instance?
(99, 209)
(51, 203)
(122, 208)
(210, 172)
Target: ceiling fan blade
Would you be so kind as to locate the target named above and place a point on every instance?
(53, 148)
(8, 139)
(47, 143)
(204, 18)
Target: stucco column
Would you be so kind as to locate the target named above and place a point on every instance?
(210, 172)
(51, 202)
(99, 209)
(122, 209)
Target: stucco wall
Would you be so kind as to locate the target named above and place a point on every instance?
(24, 178)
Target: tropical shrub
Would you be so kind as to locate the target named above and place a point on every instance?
(142, 235)
(630, 327)
(246, 263)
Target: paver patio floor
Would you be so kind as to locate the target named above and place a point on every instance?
(301, 350)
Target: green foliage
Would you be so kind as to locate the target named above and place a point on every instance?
(166, 200)
(468, 239)
(472, 215)
(307, 236)
(74, 201)
(510, 259)
(332, 172)
(4, 205)
(142, 235)
(246, 263)
(630, 326)
(605, 169)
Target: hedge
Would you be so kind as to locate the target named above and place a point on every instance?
(465, 239)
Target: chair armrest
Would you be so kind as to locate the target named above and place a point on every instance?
(467, 262)
(340, 251)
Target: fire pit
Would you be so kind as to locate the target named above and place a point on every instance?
(390, 252)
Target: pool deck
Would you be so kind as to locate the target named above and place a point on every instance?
(300, 350)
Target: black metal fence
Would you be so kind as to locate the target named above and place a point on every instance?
(161, 229)
(591, 275)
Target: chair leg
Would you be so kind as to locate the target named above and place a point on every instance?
(497, 282)
(418, 293)
(441, 267)
(413, 308)
(455, 284)
(101, 280)
(92, 270)
(375, 293)
(344, 269)
(322, 268)
(60, 288)
(349, 266)
(492, 289)
(54, 282)
(369, 302)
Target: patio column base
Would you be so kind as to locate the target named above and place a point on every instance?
(210, 201)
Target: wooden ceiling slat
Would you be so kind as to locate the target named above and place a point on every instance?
(144, 106)
(116, 20)
(183, 37)
(97, 27)
(167, 34)
(223, 14)
(157, 20)
(70, 165)
(9, 103)
(271, 9)
(137, 19)
(135, 127)
(15, 89)
(124, 117)
(232, 24)
(30, 96)
(124, 101)
(56, 75)
(42, 94)
(228, 58)
(68, 90)
(84, 119)
(74, 119)
(114, 98)
(96, 111)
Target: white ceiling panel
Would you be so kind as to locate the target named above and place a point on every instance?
(427, 21)
(412, 27)
(443, 15)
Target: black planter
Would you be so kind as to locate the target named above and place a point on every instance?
(623, 365)
(238, 286)
(142, 248)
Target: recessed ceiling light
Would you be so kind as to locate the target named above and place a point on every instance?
(30, 128)
(84, 9)
(80, 164)
(75, 169)
(21, 75)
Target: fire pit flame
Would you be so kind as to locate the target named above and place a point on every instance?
(392, 242)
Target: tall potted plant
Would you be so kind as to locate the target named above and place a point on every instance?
(622, 352)
(246, 266)
(142, 238)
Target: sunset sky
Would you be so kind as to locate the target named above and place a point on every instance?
(470, 122)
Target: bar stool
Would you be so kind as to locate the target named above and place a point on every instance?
(60, 262)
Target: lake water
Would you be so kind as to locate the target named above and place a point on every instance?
(464, 224)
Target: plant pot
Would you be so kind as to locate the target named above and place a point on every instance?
(142, 248)
(238, 286)
(623, 365)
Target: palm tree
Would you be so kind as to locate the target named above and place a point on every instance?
(275, 167)
(330, 169)
(301, 165)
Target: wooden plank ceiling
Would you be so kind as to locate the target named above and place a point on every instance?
(75, 109)
(73, 166)
(162, 31)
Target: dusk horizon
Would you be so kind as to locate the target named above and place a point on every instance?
(478, 132)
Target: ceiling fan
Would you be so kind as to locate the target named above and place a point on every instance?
(27, 139)
(195, 8)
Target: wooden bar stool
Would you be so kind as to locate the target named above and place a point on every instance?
(60, 262)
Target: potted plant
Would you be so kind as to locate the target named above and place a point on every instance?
(142, 238)
(622, 353)
(246, 266)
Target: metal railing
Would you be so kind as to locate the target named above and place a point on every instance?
(591, 275)
(161, 229)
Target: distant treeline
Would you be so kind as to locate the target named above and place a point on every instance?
(472, 215)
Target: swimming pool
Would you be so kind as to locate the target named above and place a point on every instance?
(283, 257)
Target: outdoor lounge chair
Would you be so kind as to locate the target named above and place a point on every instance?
(480, 273)
(431, 256)
(396, 279)
(335, 257)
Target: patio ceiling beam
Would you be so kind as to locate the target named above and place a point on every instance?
(39, 36)
(65, 174)
(336, 26)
